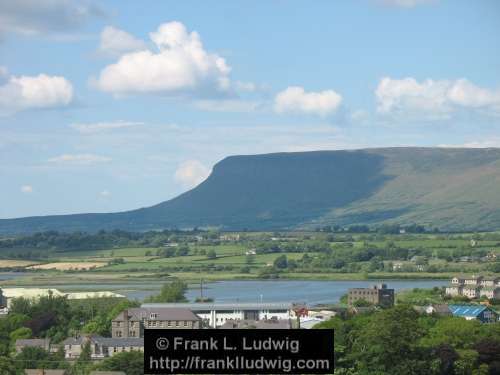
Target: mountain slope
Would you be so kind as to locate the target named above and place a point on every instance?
(448, 188)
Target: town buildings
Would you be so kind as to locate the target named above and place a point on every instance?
(216, 314)
(132, 322)
(377, 295)
(474, 286)
(101, 347)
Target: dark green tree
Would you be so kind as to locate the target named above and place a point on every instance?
(132, 363)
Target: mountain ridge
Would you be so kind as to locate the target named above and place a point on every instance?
(449, 188)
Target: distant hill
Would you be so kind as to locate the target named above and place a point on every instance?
(452, 189)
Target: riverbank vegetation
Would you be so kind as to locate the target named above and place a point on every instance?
(331, 253)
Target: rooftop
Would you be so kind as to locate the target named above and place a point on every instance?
(106, 341)
(162, 313)
(223, 306)
(467, 310)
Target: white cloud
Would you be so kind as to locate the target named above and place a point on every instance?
(42, 91)
(99, 127)
(180, 66)
(116, 42)
(105, 193)
(191, 173)
(433, 98)
(83, 159)
(32, 17)
(406, 3)
(295, 100)
(27, 189)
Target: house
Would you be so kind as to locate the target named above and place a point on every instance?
(458, 280)
(251, 252)
(132, 322)
(473, 280)
(438, 309)
(490, 292)
(377, 295)
(470, 312)
(471, 291)
(32, 343)
(454, 289)
(101, 347)
(490, 281)
(257, 324)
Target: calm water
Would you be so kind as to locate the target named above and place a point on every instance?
(311, 292)
(297, 291)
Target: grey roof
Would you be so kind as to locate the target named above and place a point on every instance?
(257, 324)
(33, 342)
(162, 313)
(491, 278)
(107, 341)
(224, 306)
(468, 277)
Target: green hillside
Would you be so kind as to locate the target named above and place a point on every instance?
(456, 189)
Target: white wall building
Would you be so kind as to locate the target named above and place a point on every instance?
(216, 314)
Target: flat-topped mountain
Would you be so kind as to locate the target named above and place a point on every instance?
(448, 188)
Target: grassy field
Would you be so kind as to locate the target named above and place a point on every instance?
(143, 264)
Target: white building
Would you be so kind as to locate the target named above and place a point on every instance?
(36, 293)
(216, 314)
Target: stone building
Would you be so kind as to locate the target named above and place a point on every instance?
(376, 295)
(132, 322)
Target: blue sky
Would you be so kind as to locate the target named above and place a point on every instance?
(114, 105)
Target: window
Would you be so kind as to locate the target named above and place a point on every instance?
(177, 323)
(169, 323)
(153, 316)
(185, 323)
